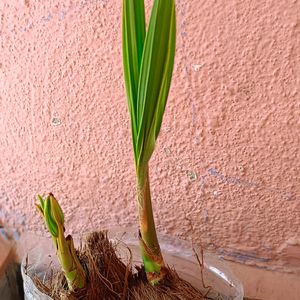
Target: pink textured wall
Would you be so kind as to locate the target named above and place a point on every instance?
(226, 167)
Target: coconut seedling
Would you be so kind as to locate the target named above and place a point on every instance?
(148, 59)
(53, 216)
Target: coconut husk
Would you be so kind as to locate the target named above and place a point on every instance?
(173, 288)
(109, 278)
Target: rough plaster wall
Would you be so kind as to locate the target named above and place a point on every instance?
(226, 167)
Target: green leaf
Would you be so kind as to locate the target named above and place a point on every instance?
(53, 215)
(133, 43)
(50, 222)
(155, 76)
(42, 203)
(57, 212)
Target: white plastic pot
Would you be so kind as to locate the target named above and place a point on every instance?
(41, 261)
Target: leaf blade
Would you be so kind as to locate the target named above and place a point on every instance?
(133, 35)
(155, 76)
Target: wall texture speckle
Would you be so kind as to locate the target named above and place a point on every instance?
(226, 167)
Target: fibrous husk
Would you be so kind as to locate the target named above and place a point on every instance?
(109, 278)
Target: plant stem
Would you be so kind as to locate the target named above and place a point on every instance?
(151, 253)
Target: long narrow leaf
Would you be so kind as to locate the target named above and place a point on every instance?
(155, 76)
(133, 44)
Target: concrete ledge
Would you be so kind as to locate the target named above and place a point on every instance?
(261, 284)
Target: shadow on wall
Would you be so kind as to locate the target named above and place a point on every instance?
(11, 283)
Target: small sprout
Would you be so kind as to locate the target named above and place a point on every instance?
(53, 216)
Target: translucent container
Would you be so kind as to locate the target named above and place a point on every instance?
(41, 261)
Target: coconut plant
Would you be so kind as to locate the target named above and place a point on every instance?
(148, 59)
(53, 216)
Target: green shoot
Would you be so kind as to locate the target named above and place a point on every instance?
(65, 251)
(148, 59)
